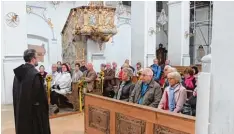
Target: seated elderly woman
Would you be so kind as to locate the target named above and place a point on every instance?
(121, 71)
(61, 86)
(126, 86)
(175, 95)
(146, 91)
(168, 69)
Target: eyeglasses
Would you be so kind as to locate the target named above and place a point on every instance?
(170, 78)
(144, 75)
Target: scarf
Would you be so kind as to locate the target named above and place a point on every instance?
(144, 88)
(120, 90)
(171, 98)
(189, 82)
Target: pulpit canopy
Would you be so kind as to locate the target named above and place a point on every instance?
(95, 21)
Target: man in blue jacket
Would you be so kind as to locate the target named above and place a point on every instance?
(156, 70)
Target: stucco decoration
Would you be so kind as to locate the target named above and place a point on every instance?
(42, 13)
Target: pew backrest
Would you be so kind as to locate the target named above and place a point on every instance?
(108, 116)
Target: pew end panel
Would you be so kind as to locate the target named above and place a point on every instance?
(108, 116)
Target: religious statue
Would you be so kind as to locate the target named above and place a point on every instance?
(200, 53)
(161, 54)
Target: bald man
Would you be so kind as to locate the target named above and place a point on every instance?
(147, 91)
(90, 77)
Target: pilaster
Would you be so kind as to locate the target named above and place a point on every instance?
(216, 112)
(178, 41)
(143, 43)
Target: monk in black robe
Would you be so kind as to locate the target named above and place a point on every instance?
(29, 98)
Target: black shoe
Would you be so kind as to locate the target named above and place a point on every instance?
(56, 111)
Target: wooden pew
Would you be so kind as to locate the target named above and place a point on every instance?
(181, 69)
(108, 116)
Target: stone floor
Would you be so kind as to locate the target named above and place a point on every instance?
(73, 124)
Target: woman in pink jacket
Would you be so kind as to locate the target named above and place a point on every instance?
(174, 95)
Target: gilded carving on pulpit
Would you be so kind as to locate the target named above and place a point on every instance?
(95, 22)
(99, 119)
(69, 53)
(159, 129)
(40, 49)
(129, 125)
(161, 54)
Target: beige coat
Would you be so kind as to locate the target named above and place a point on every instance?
(151, 97)
(180, 98)
(90, 77)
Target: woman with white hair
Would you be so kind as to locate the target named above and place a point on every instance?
(174, 95)
(126, 86)
(167, 70)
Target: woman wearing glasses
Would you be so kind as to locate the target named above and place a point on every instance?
(174, 95)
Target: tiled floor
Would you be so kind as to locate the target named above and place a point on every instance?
(73, 124)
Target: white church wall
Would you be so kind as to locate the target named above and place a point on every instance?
(94, 50)
(119, 49)
(14, 42)
(174, 38)
(38, 26)
(138, 32)
(37, 40)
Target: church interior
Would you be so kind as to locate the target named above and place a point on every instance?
(179, 35)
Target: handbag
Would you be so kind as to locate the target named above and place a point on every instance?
(187, 109)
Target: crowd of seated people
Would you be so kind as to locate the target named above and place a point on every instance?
(157, 86)
(62, 78)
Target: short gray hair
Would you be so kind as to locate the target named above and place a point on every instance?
(167, 67)
(128, 71)
(54, 65)
(175, 75)
(29, 54)
(172, 69)
(148, 71)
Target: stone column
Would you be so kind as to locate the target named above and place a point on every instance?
(14, 43)
(178, 26)
(220, 117)
(143, 18)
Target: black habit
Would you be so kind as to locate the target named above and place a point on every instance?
(30, 101)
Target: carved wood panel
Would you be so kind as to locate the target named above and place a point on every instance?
(129, 125)
(99, 119)
(159, 129)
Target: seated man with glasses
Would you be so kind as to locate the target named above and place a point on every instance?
(147, 91)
